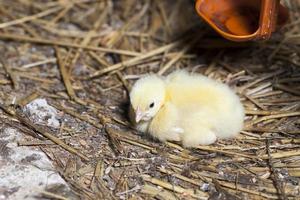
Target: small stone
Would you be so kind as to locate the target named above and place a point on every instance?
(42, 113)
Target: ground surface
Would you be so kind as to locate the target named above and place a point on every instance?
(76, 60)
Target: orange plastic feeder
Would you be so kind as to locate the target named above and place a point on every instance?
(243, 20)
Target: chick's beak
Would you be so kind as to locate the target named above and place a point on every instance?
(138, 115)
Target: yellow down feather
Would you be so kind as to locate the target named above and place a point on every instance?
(193, 109)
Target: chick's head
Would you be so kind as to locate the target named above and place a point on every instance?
(146, 97)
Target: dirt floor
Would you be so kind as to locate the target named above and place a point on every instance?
(67, 67)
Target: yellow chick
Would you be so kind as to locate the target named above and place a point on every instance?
(190, 108)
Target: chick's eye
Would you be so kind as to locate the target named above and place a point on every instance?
(151, 105)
